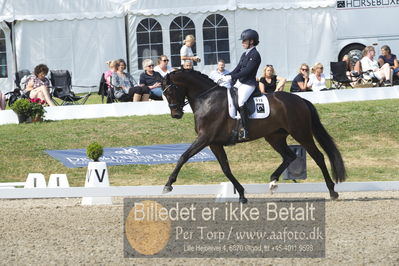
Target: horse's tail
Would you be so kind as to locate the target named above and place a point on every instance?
(328, 145)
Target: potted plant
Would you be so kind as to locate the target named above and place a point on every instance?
(96, 175)
(29, 110)
(94, 151)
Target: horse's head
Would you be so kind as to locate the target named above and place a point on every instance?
(175, 95)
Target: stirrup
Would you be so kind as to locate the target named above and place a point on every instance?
(243, 134)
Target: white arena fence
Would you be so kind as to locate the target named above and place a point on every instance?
(224, 190)
(161, 107)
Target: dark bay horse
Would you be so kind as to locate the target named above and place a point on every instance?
(289, 115)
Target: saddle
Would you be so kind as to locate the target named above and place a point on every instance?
(257, 104)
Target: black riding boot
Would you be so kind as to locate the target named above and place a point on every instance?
(243, 132)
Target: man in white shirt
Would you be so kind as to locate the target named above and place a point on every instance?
(217, 74)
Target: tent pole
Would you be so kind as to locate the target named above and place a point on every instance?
(14, 51)
(127, 42)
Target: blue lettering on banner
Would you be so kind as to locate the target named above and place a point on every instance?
(157, 154)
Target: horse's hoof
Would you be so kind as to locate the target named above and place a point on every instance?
(243, 200)
(167, 189)
(334, 195)
(273, 186)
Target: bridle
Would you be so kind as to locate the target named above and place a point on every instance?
(180, 106)
(175, 105)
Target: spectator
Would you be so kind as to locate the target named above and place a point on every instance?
(217, 74)
(186, 53)
(188, 64)
(300, 82)
(391, 59)
(163, 66)
(370, 65)
(270, 82)
(2, 101)
(348, 62)
(108, 74)
(125, 91)
(37, 85)
(317, 80)
(151, 79)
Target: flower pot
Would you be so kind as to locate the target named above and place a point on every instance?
(37, 119)
(24, 118)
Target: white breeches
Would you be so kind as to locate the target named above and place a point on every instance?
(244, 91)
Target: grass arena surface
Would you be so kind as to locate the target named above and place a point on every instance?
(367, 134)
(361, 229)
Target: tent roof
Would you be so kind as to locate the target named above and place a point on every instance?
(162, 7)
(40, 10)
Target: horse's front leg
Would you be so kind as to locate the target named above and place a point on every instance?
(195, 147)
(220, 154)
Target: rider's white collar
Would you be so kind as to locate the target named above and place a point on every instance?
(249, 49)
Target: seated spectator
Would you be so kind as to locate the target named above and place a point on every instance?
(270, 82)
(151, 79)
(186, 53)
(163, 66)
(108, 74)
(370, 65)
(348, 62)
(37, 85)
(387, 57)
(317, 80)
(188, 64)
(300, 82)
(217, 74)
(125, 91)
(2, 101)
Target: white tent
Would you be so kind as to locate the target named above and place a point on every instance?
(80, 35)
(291, 32)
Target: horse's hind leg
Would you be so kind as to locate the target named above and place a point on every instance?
(279, 143)
(195, 147)
(318, 157)
(220, 154)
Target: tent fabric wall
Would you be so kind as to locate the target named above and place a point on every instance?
(81, 46)
(165, 21)
(288, 37)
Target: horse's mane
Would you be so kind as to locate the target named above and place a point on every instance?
(194, 73)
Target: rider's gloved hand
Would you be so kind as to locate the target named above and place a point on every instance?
(226, 78)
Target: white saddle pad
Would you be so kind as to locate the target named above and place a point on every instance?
(262, 108)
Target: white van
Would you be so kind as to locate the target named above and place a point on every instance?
(366, 22)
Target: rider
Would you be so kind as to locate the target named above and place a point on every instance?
(245, 76)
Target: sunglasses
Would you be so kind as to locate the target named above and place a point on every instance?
(150, 66)
(269, 65)
(165, 60)
(305, 69)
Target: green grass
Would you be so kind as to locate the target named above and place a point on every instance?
(367, 134)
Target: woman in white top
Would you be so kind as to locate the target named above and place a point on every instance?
(186, 53)
(370, 64)
(317, 80)
(163, 66)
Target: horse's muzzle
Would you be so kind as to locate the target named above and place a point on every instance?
(176, 114)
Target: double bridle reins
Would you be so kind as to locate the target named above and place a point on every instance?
(177, 106)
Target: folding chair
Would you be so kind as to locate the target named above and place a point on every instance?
(61, 82)
(106, 92)
(338, 74)
(17, 93)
